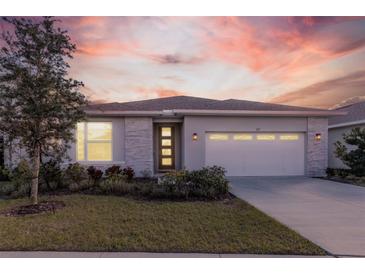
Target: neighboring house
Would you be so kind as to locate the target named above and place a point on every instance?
(247, 138)
(339, 125)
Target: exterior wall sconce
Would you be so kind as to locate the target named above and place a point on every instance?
(318, 137)
(195, 137)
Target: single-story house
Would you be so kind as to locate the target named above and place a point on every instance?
(246, 138)
(339, 125)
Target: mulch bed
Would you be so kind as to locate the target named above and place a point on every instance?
(41, 207)
(344, 181)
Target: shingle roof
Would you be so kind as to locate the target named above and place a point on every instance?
(355, 112)
(193, 103)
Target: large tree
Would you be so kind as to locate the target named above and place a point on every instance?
(39, 103)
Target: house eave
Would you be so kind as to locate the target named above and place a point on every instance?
(183, 112)
(319, 113)
(353, 123)
(125, 113)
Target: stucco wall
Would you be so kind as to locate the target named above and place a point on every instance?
(194, 151)
(139, 143)
(317, 151)
(336, 134)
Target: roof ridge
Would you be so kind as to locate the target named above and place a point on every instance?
(160, 98)
(268, 103)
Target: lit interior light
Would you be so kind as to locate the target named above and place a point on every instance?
(265, 137)
(195, 136)
(318, 137)
(289, 137)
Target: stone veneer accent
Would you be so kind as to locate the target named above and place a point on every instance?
(317, 158)
(139, 143)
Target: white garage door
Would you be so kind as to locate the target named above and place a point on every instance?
(256, 154)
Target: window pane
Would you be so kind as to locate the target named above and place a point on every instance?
(166, 151)
(166, 161)
(80, 145)
(265, 137)
(242, 137)
(166, 131)
(218, 137)
(99, 151)
(289, 137)
(97, 131)
(166, 142)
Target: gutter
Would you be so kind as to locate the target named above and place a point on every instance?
(359, 122)
(123, 113)
(182, 112)
(296, 113)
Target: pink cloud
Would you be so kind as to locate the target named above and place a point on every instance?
(157, 92)
(325, 94)
(277, 50)
(104, 48)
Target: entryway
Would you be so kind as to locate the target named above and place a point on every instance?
(167, 146)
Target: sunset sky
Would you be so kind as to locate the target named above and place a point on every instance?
(304, 61)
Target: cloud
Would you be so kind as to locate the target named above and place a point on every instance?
(99, 101)
(156, 92)
(173, 59)
(104, 48)
(161, 92)
(327, 93)
(279, 47)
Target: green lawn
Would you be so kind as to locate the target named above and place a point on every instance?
(109, 223)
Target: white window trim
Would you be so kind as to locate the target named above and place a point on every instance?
(86, 142)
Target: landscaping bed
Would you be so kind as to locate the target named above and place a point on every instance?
(110, 223)
(42, 207)
(208, 183)
(344, 176)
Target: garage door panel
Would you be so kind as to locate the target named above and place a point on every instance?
(256, 154)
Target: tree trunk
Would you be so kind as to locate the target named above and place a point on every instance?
(35, 175)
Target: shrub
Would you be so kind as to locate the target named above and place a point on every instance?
(51, 175)
(76, 177)
(209, 182)
(116, 184)
(129, 172)
(80, 186)
(21, 178)
(5, 174)
(146, 189)
(330, 172)
(338, 172)
(113, 170)
(6, 188)
(146, 173)
(75, 173)
(95, 174)
(352, 178)
(176, 184)
(354, 158)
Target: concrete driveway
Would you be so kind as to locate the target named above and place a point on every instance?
(329, 214)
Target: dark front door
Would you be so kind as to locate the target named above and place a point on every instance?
(166, 147)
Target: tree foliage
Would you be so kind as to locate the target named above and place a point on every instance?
(354, 157)
(39, 103)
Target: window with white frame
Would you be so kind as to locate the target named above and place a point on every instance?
(94, 141)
